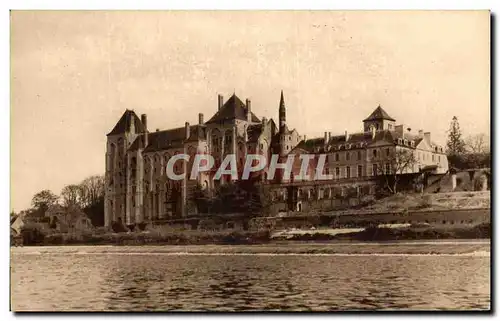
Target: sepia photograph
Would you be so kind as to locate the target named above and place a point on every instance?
(250, 160)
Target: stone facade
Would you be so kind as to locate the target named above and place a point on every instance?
(138, 190)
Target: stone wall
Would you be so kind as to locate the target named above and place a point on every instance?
(450, 218)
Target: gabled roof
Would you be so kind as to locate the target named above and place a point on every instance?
(311, 145)
(234, 108)
(366, 137)
(378, 114)
(171, 138)
(123, 124)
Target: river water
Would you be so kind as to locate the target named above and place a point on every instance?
(311, 277)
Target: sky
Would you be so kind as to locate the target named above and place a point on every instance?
(73, 74)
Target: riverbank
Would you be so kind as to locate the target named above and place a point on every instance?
(371, 234)
(435, 247)
(481, 231)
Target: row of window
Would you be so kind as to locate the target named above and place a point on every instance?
(358, 155)
(347, 156)
(351, 171)
(323, 193)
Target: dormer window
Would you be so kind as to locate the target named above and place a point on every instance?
(406, 142)
(400, 141)
(348, 146)
(412, 143)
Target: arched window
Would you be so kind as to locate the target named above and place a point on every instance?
(120, 147)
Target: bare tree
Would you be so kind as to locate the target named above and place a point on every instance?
(92, 190)
(477, 144)
(72, 195)
(395, 163)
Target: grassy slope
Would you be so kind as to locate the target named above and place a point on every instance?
(438, 201)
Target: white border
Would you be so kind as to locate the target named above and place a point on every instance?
(180, 5)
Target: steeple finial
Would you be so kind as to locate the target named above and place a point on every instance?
(282, 100)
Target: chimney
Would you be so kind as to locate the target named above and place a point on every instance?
(421, 133)
(326, 138)
(221, 101)
(305, 137)
(200, 119)
(187, 130)
(427, 137)
(144, 120)
(329, 136)
(346, 136)
(249, 110)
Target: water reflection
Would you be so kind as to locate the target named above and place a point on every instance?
(229, 283)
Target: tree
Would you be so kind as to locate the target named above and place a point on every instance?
(391, 166)
(202, 199)
(92, 190)
(71, 195)
(477, 151)
(477, 144)
(256, 197)
(455, 144)
(43, 200)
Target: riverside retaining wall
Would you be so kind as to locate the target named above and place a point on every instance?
(448, 218)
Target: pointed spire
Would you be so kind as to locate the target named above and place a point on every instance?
(282, 112)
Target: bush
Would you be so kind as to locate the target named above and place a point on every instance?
(118, 227)
(32, 234)
(141, 226)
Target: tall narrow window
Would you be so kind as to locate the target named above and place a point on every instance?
(360, 171)
(337, 172)
(359, 155)
(347, 156)
(375, 170)
(348, 172)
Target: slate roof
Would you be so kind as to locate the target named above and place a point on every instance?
(234, 108)
(379, 113)
(318, 144)
(123, 124)
(170, 138)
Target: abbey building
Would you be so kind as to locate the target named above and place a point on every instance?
(138, 189)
